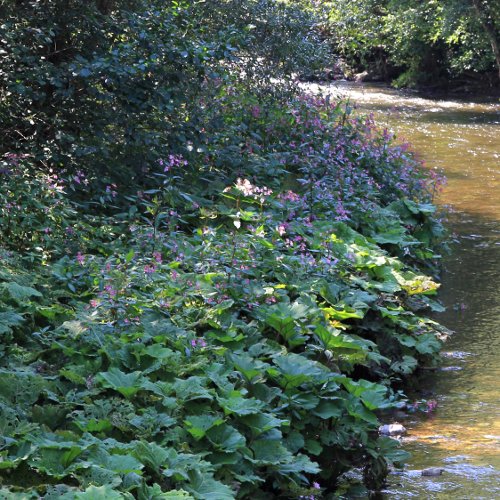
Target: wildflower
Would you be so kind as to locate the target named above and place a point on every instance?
(431, 405)
(316, 485)
(157, 256)
(110, 290)
(110, 189)
(172, 162)
(282, 229)
(149, 269)
(255, 110)
(80, 258)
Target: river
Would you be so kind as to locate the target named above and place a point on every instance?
(462, 436)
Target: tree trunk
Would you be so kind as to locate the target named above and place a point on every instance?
(489, 28)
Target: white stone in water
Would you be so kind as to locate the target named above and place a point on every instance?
(392, 429)
(432, 471)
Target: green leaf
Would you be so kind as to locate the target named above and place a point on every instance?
(313, 447)
(226, 438)
(127, 384)
(9, 319)
(124, 464)
(205, 487)
(198, 425)
(152, 454)
(239, 405)
(18, 292)
(294, 441)
(155, 493)
(101, 493)
(300, 464)
(328, 409)
(129, 256)
(295, 370)
(249, 367)
(392, 451)
(262, 422)
(407, 365)
(268, 451)
(427, 343)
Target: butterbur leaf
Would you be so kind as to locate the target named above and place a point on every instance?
(75, 327)
(294, 441)
(357, 410)
(373, 395)
(127, 384)
(268, 451)
(300, 465)
(124, 464)
(392, 451)
(152, 455)
(226, 438)
(248, 366)
(11, 461)
(407, 365)
(102, 493)
(313, 447)
(155, 493)
(332, 339)
(205, 487)
(340, 314)
(330, 409)
(18, 292)
(428, 344)
(9, 319)
(198, 425)
(296, 370)
(262, 422)
(239, 405)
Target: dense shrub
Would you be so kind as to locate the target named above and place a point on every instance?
(233, 331)
(417, 42)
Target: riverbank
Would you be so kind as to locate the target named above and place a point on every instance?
(226, 341)
(461, 140)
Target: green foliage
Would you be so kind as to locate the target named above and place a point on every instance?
(231, 324)
(109, 87)
(418, 42)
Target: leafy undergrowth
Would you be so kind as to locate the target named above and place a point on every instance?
(216, 345)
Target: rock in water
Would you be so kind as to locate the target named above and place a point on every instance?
(432, 471)
(392, 429)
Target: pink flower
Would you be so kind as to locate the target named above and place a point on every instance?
(111, 291)
(282, 229)
(149, 269)
(80, 258)
(255, 110)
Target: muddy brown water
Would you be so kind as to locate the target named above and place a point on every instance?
(462, 436)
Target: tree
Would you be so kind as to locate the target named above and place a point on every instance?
(424, 40)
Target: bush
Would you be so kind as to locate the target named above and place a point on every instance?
(204, 342)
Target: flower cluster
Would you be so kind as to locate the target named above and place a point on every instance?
(250, 190)
(173, 161)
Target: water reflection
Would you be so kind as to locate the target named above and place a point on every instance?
(463, 435)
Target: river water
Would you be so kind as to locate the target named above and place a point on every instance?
(462, 436)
